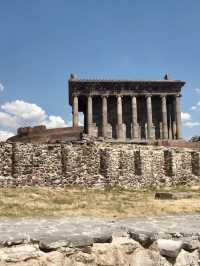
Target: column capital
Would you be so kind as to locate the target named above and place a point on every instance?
(119, 96)
(148, 95)
(163, 95)
(104, 96)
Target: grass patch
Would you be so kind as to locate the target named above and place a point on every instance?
(109, 202)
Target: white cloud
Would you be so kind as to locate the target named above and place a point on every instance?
(187, 120)
(18, 113)
(1, 87)
(193, 108)
(55, 121)
(197, 90)
(185, 116)
(191, 124)
(80, 122)
(24, 110)
(4, 135)
(196, 107)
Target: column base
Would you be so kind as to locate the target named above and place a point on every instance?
(93, 130)
(121, 131)
(150, 134)
(134, 132)
(107, 131)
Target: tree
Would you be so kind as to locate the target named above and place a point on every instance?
(195, 138)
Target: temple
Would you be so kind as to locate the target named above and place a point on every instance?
(136, 111)
(127, 109)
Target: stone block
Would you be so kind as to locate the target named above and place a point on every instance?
(121, 131)
(169, 248)
(135, 131)
(93, 131)
(109, 131)
(173, 195)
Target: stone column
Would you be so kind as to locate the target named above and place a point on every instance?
(134, 118)
(119, 110)
(89, 115)
(149, 116)
(164, 117)
(104, 116)
(121, 129)
(178, 116)
(75, 111)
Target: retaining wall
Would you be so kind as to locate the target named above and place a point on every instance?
(97, 164)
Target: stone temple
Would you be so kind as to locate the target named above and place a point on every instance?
(117, 110)
(127, 109)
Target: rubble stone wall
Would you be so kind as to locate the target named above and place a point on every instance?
(94, 164)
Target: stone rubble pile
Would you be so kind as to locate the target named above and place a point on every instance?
(119, 249)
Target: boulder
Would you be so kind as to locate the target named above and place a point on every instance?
(169, 248)
(173, 195)
(145, 238)
(187, 259)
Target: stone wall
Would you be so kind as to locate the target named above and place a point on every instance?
(121, 251)
(97, 164)
(89, 241)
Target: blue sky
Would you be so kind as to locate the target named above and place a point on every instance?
(43, 41)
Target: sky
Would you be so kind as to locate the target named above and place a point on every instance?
(43, 41)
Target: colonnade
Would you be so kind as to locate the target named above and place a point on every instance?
(134, 115)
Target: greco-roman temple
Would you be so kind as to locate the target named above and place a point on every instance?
(127, 109)
(136, 111)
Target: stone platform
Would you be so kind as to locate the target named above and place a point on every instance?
(145, 241)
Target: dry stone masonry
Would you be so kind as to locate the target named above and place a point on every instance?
(97, 164)
(89, 241)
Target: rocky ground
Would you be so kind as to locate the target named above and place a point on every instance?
(147, 241)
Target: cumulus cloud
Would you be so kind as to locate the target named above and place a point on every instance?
(193, 108)
(187, 120)
(1, 87)
(197, 90)
(24, 110)
(4, 135)
(185, 116)
(8, 121)
(55, 121)
(196, 107)
(19, 113)
(191, 124)
(80, 122)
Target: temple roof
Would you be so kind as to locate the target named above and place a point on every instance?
(125, 80)
(167, 79)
